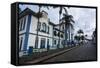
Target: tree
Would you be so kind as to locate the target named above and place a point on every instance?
(61, 8)
(86, 35)
(67, 19)
(81, 34)
(76, 37)
(82, 37)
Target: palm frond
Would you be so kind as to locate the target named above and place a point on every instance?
(69, 25)
(46, 7)
(70, 16)
(62, 19)
(66, 11)
(72, 20)
(80, 31)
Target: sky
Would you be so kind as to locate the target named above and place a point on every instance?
(85, 18)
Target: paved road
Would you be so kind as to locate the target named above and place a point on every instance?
(84, 52)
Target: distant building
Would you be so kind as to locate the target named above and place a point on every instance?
(49, 34)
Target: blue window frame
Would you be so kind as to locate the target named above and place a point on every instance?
(24, 23)
(20, 25)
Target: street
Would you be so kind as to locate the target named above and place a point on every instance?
(87, 51)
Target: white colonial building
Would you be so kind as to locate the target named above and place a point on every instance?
(50, 35)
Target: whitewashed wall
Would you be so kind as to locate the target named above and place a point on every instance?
(31, 40)
(33, 25)
(33, 32)
(33, 29)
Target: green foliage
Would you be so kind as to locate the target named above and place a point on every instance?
(80, 31)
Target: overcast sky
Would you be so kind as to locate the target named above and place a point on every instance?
(85, 18)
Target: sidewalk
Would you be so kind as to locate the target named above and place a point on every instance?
(36, 58)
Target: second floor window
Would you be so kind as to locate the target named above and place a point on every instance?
(48, 30)
(22, 24)
(44, 27)
(62, 35)
(58, 34)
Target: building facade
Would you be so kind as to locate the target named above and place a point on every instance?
(50, 35)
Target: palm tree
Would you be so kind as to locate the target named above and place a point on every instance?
(76, 37)
(39, 15)
(61, 8)
(67, 19)
(80, 32)
(81, 36)
(86, 35)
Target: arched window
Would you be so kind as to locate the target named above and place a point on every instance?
(63, 27)
(58, 34)
(62, 35)
(44, 27)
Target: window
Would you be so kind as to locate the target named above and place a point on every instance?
(22, 23)
(44, 27)
(48, 30)
(42, 43)
(47, 43)
(62, 35)
(55, 42)
(36, 42)
(62, 42)
(63, 27)
(20, 44)
(58, 34)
